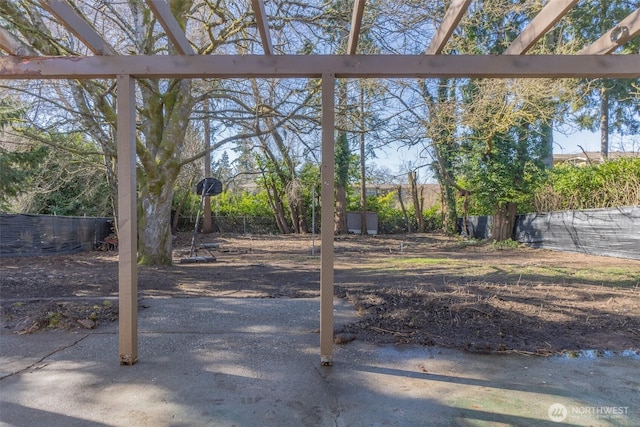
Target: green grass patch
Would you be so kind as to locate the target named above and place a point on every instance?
(606, 276)
(459, 268)
(418, 262)
(615, 276)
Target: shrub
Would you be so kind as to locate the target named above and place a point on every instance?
(609, 184)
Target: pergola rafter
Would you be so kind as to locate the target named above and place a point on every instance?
(627, 29)
(356, 24)
(167, 20)
(263, 27)
(23, 63)
(452, 18)
(13, 46)
(552, 12)
(75, 23)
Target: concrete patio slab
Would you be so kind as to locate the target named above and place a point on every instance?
(248, 362)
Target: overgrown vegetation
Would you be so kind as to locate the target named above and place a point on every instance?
(603, 185)
(234, 210)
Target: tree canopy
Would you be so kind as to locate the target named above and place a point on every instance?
(485, 139)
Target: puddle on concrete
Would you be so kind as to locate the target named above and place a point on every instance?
(436, 352)
(595, 354)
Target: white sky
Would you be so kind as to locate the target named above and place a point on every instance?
(590, 141)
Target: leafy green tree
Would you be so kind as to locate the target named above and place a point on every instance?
(504, 126)
(60, 175)
(503, 151)
(49, 174)
(221, 169)
(15, 165)
(16, 173)
(609, 105)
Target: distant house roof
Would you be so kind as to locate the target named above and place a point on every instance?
(589, 157)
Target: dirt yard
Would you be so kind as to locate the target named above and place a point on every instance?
(418, 289)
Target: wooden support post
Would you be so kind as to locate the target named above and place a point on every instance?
(327, 220)
(127, 222)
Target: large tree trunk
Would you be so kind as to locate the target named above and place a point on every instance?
(404, 210)
(445, 149)
(277, 207)
(164, 134)
(363, 181)
(302, 219)
(154, 228)
(296, 208)
(342, 162)
(604, 123)
(341, 210)
(450, 220)
(547, 157)
(448, 194)
(465, 213)
(207, 222)
(280, 214)
(504, 219)
(417, 205)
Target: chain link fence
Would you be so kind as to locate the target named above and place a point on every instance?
(241, 224)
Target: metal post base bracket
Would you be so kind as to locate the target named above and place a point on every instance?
(326, 360)
(127, 359)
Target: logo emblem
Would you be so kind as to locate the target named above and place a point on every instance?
(557, 412)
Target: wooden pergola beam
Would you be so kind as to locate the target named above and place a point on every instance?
(356, 25)
(553, 11)
(327, 171)
(314, 66)
(263, 26)
(10, 44)
(75, 23)
(127, 222)
(626, 29)
(167, 20)
(451, 19)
